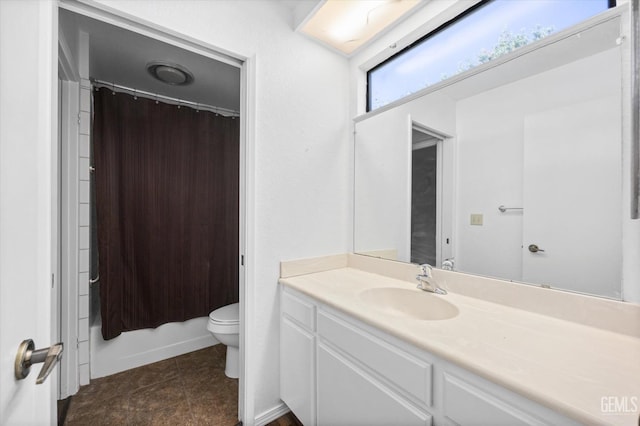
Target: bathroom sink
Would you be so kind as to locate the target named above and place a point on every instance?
(406, 303)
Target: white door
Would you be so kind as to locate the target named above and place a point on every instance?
(28, 82)
(572, 198)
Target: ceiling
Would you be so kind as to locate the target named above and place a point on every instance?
(348, 26)
(120, 56)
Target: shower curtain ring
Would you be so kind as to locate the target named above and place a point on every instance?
(113, 88)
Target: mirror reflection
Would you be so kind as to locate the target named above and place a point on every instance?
(513, 171)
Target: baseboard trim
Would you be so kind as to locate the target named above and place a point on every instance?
(272, 414)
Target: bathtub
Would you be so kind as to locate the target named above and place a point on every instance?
(136, 348)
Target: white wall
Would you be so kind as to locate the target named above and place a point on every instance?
(303, 161)
(383, 178)
(83, 191)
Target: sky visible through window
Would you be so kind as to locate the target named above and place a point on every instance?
(495, 28)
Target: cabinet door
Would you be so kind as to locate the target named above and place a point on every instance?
(465, 404)
(348, 396)
(297, 371)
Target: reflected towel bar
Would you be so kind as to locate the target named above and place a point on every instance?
(504, 209)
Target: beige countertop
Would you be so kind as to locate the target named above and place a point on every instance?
(564, 365)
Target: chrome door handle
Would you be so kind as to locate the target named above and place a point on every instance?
(533, 248)
(28, 355)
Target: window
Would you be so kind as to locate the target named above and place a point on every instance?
(484, 32)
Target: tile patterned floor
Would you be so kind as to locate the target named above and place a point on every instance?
(287, 420)
(186, 390)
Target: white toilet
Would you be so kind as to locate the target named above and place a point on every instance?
(224, 324)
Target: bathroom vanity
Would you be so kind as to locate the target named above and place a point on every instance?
(361, 345)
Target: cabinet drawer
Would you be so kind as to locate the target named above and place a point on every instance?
(465, 404)
(299, 310)
(408, 373)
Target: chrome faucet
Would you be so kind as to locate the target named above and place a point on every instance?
(448, 264)
(426, 281)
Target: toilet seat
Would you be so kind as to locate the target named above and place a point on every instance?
(226, 315)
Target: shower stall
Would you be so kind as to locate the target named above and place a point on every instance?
(164, 229)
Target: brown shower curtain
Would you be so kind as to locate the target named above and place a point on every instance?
(167, 211)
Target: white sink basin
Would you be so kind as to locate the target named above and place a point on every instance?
(415, 304)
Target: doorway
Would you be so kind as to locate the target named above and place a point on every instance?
(428, 196)
(424, 179)
(76, 328)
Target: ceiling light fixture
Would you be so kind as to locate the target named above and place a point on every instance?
(348, 25)
(173, 74)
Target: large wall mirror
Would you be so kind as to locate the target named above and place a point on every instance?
(511, 171)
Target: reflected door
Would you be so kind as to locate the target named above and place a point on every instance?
(424, 200)
(572, 197)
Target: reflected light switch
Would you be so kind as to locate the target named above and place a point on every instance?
(476, 219)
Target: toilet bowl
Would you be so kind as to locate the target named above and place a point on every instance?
(224, 324)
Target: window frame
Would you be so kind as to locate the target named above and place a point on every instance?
(442, 27)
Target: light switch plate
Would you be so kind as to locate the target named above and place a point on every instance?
(476, 219)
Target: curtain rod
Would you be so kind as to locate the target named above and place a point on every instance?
(166, 99)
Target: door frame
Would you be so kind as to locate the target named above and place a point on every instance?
(248, 78)
(68, 98)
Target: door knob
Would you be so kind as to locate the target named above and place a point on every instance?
(533, 248)
(28, 355)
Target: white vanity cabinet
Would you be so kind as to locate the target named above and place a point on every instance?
(336, 370)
